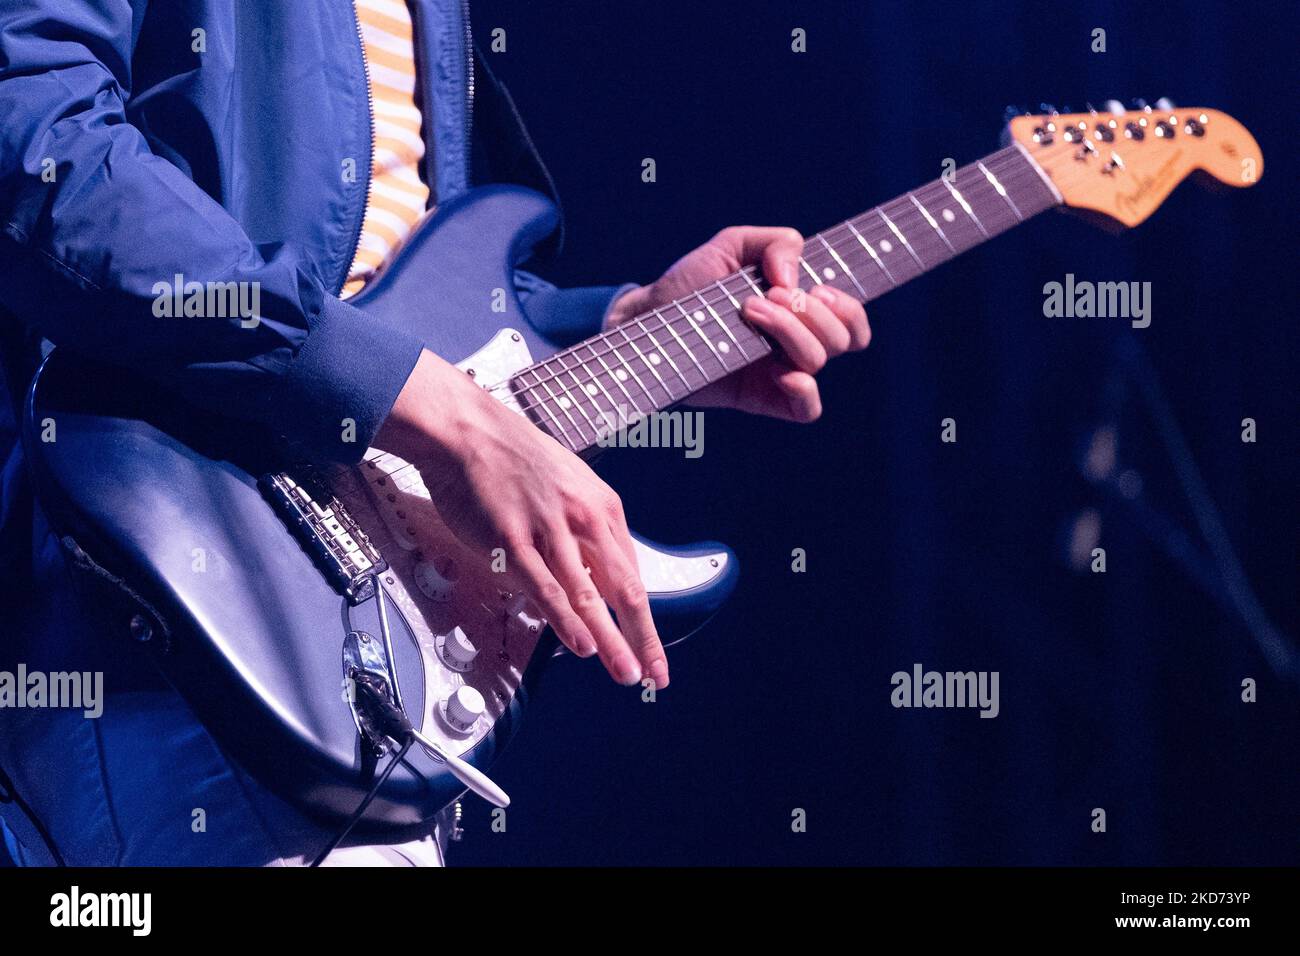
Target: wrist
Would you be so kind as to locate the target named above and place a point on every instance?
(426, 423)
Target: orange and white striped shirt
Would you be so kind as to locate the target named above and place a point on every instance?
(397, 194)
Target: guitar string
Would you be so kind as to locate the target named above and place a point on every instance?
(587, 383)
(1025, 172)
(814, 253)
(1057, 165)
(821, 254)
(935, 249)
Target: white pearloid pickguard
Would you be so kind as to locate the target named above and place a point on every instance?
(393, 505)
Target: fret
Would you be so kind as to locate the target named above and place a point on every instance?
(580, 400)
(664, 354)
(626, 368)
(925, 241)
(811, 273)
(595, 376)
(962, 230)
(934, 224)
(704, 376)
(744, 274)
(727, 292)
(668, 392)
(723, 325)
(1053, 194)
(1000, 190)
(844, 267)
(961, 201)
(562, 432)
(871, 252)
(562, 403)
(898, 233)
(704, 338)
(994, 211)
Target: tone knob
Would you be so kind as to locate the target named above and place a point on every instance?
(456, 649)
(462, 708)
(436, 579)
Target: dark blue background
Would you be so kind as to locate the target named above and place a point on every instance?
(1119, 690)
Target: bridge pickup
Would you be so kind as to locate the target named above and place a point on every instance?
(326, 531)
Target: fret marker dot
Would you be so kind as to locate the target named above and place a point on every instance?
(885, 245)
(620, 375)
(654, 358)
(828, 273)
(565, 403)
(724, 348)
(698, 316)
(591, 389)
(948, 215)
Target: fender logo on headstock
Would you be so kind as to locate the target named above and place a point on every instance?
(1149, 186)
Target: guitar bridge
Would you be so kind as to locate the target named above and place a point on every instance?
(326, 531)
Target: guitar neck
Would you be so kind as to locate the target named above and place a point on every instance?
(662, 357)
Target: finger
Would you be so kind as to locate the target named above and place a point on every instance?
(566, 560)
(796, 340)
(777, 248)
(817, 316)
(802, 400)
(620, 582)
(848, 310)
(553, 600)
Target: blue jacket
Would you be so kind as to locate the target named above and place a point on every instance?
(210, 138)
(207, 138)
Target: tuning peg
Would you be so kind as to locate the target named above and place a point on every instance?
(1165, 103)
(1140, 104)
(1011, 112)
(1047, 108)
(1114, 106)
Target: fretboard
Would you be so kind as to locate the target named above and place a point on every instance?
(662, 357)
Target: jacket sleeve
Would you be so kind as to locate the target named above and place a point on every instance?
(566, 315)
(95, 225)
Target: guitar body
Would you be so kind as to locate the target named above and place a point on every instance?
(236, 602)
(263, 592)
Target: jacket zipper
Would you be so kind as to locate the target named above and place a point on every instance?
(370, 157)
(469, 86)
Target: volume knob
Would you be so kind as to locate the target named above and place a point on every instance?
(462, 708)
(436, 579)
(456, 649)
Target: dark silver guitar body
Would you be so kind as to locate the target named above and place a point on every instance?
(242, 612)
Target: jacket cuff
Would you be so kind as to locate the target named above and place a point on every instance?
(567, 315)
(341, 385)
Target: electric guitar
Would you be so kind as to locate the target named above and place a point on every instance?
(317, 580)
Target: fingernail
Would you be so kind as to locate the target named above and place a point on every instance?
(627, 670)
(789, 275)
(823, 293)
(587, 649)
(659, 673)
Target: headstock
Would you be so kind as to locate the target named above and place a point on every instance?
(1122, 164)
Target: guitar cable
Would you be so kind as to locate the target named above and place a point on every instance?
(396, 726)
(9, 794)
